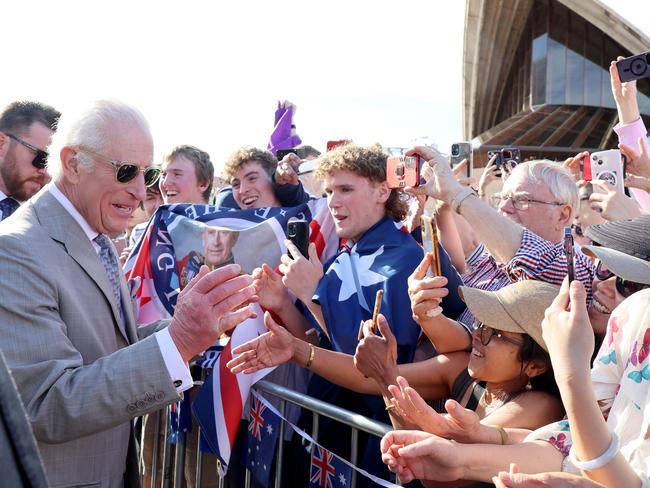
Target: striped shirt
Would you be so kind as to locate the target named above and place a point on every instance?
(536, 259)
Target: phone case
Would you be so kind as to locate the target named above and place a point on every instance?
(298, 233)
(460, 151)
(608, 166)
(403, 171)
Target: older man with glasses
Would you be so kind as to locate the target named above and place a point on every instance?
(82, 367)
(25, 132)
(520, 238)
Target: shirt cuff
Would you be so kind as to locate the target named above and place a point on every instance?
(176, 367)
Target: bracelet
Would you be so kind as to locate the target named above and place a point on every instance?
(460, 197)
(312, 353)
(602, 460)
(502, 432)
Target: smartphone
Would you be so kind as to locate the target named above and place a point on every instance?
(585, 167)
(510, 157)
(298, 233)
(609, 166)
(568, 252)
(334, 144)
(281, 153)
(497, 161)
(403, 171)
(430, 243)
(460, 151)
(634, 67)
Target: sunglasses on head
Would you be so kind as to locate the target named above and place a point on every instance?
(40, 158)
(624, 287)
(126, 171)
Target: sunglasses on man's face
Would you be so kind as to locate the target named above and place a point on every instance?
(126, 171)
(40, 156)
(624, 287)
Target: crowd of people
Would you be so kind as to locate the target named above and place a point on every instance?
(497, 353)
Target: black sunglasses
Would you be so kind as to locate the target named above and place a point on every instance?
(624, 287)
(486, 333)
(40, 158)
(126, 171)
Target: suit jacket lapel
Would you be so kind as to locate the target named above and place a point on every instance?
(64, 229)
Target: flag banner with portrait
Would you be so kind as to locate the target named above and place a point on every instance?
(177, 242)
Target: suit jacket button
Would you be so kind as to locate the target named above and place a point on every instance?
(140, 404)
(130, 408)
(159, 396)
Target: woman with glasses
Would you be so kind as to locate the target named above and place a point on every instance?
(507, 371)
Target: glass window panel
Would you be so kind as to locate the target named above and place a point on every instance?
(539, 69)
(556, 72)
(593, 70)
(575, 62)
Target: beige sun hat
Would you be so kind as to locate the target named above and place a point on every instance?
(518, 307)
(627, 267)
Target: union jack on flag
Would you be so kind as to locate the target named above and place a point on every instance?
(257, 420)
(327, 470)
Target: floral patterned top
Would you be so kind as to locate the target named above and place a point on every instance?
(621, 378)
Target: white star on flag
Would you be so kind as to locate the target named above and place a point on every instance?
(342, 479)
(343, 269)
(269, 429)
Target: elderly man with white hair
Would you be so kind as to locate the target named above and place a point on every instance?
(82, 367)
(521, 239)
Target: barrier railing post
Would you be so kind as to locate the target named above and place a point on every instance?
(278, 466)
(156, 447)
(354, 445)
(179, 461)
(167, 458)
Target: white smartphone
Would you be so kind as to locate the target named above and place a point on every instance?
(609, 166)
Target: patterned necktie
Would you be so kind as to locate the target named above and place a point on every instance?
(111, 266)
(8, 206)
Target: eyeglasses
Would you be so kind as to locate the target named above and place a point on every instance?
(624, 287)
(520, 202)
(486, 333)
(125, 171)
(40, 158)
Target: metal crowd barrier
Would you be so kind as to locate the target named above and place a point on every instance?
(318, 408)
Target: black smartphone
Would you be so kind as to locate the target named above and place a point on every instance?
(634, 67)
(281, 153)
(568, 252)
(298, 233)
(510, 157)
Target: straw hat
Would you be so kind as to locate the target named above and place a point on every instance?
(518, 307)
(621, 264)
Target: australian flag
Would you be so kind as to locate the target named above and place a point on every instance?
(327, 470)
(263, 430)
(383, 258)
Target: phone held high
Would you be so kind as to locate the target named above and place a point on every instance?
(460, 151)
(430, 243)
(569, 252)
(403, 171)
(298, 233)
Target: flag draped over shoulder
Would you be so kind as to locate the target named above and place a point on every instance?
(383, 259)
(178, 240)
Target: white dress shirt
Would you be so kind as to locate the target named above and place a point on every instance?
(177, 368)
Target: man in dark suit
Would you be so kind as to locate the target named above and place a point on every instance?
(69, 335)
(25, 132)
(20, 462)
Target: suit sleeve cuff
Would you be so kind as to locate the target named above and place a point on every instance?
(176, 367)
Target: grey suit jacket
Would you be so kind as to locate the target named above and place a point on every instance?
(82, 376)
